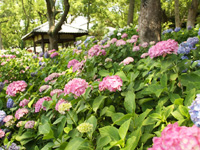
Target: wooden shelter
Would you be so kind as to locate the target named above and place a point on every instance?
(68, 33)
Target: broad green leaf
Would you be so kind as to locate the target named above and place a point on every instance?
(104, 73)
(59, 120)
(190, 97)
(48, 146)
(184, 111)
(163, 80)
(102, 142)
(46, 130)
(74, 143)
(97, 102)
(129, 102)
(122, 75)
(110, 131)
(124, 129)
(177, 115)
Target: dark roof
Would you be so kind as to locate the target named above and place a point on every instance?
(65, 29)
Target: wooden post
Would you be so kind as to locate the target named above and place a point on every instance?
(42, 44)
(34, 47)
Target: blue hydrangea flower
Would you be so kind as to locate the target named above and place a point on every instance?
(46, 55)
(1, 86)
(10, 103)
(79, 47)
(33, 74)
(195, 111)
(184, 57)
(189, 27)
(167, 31)
(177, 29)
(199, 32)
(193, 41)
(34, 56)
(41, 54)
(78, 43)
(198, 63)
(2, 115)
(41, 63)
(185, 48)
(13, 146)
(95, 41)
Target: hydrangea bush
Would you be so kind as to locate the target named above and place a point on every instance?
(115, 93)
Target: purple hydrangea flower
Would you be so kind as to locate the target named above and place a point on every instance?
(41, 54)
(184, 57)
(2, 116)
(195, 111)
(189, 27)
(177, 29)
(10, 103)
(199, 32)
(193, 41)
(1, 86)
(198, 63)
(13, 147)
(46, 55)
(184, 48)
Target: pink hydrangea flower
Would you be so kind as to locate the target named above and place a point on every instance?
(54, 55)
(59, 102)
(24, 102)
(144, 45)
(134, 37)
(6, 81)
(51, 51)
(39, 106)
(2, 133)
(96, 51)
(3, 63)
(29, 124)
(163, 48)
(124, 35)
(78, 66)
(58, 91)
(131, 40)
(112, 83)
(20, 113)
(76, 86)
(127, 61)
(120, 42)
(44, 87)
(52, 76)
(106, 46)
(53, 81)
(16, 87)
(113, 40)
(136, 48)
(72, 63)
(177, 138)
(8, 118)
(144, 55)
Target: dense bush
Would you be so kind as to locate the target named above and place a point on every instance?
(110, 94)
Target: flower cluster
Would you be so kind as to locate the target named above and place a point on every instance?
(136, 48)
(177, 29)
(120, 42)
(72, 63)
(20, 113)
(62, 106)
(78, 66)
(1, 86)
(29, 124)
(24, 102)
(199, 32)
(51, 77)
(193, 41)
(16, 87)
(113, 41)
(167, 31)
(85, 127)
(112, 83)
(56, 91)
(8, 56)
(177, 138)
(2, 133)
(195, 111)
(127, 61)
(9, 120)
(2, 115)
(124, 35)
(96, 51)
(76, 86)
(14, 146)
(54, 55)
(39, 106)
(163, 48)
(10, 103)
(44, 87)
(184, 48)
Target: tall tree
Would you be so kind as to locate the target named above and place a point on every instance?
(150, 21)
(177, 17)
(54, 27)
(131, 12)
(192, 13)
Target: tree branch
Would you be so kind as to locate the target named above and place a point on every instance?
(63, 17)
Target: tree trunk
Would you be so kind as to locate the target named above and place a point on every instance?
(131, 12)
(192, 14)
(88, 16)
(55, 28)
(177, 17)
(150, 21)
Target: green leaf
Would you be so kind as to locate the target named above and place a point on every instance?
(48, 146)
(97, 102)
(31, 102)
(46, 130)
(130, 145)
(173, 77)
(129, 102)
(184, 111)
(163, 80)
(103, 141)
(122, 75)
(190, 97)
(74, 143)
(177, 115)
(178, 101)
(110, 131)
(104, 73)
(92, 120)
(59, 120)
(124, 129)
